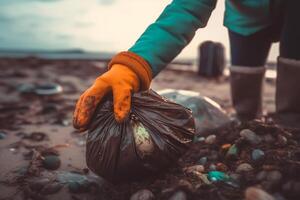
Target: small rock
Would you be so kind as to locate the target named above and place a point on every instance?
(194, 168)
(269, 138)
(225, 147)
(202, 161)
(2, 135)
(244, 167)
(185, 184)
(142, 195)
(250, 136)
(25, 88)
(217, 176)
(232, 152)
(211, 139)
(282, 141)
(204, 179)
(221, 167)
(199, 139)
(257, 154)
(179, 195)
(262, 175)
(253, 193)
(235, 177)
(274, 176)
(51, 162)
(212, 167)
(214, 155)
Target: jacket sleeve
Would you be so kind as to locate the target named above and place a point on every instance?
(172, 31)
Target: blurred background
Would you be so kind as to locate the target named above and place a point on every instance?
(105, 26)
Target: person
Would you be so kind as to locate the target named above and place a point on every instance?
(253, 25)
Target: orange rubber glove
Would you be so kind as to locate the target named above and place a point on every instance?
(128, 73)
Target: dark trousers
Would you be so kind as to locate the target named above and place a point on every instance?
(253, 50)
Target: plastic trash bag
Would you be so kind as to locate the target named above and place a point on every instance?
(156, 133)
(208, 114)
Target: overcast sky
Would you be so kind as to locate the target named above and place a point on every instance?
(98, 25)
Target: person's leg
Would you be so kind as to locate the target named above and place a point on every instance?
(288, 68)
(248, 57)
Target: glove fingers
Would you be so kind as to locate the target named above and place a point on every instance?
(87, 103)
(122, 102)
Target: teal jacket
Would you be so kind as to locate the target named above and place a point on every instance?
(174, 29)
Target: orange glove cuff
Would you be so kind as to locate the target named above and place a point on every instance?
(137, 64)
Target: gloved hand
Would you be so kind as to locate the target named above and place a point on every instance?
(122, 80)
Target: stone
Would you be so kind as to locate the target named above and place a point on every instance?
(198, 139)
(232, 152)
(185, 184)
(202, 161)
(74, 187)
(257, 154)
(179, 195)
(194, 168)
(204, 179)
(253, 193)
(250, 136)
(2, 135)
(211, 139)
(244, 167)
(225, 147)
(217, 176)
(274, 176)
(262, 175)
(282, 141)
(221, 167)
(212, 167)
(269, 138)
(51, 162)
(142, 195)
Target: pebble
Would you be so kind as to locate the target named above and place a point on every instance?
(211, 139)
(51, 162)
(257, 154)
(250, 136)
(269, 138)
(226, 146)
(204, 179)
(194, 168)
(202, 161)
(253, 193)
(217, 176)
(221, 167)
(282, 141)
(199, 139)
(179, 195)
(244, 167)
(274, 176)
(142, 195)
(212, 167)
(185, 184)
(232, 152)
(25, 88)
(2, 135)
(262, 175)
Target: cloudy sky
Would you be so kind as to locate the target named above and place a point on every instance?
(97, 25)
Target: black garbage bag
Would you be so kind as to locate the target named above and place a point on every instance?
(156, 133)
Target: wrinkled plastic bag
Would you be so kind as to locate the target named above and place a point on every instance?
(156, 133)
(208, 114)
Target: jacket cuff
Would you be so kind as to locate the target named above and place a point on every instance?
(136, 64)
